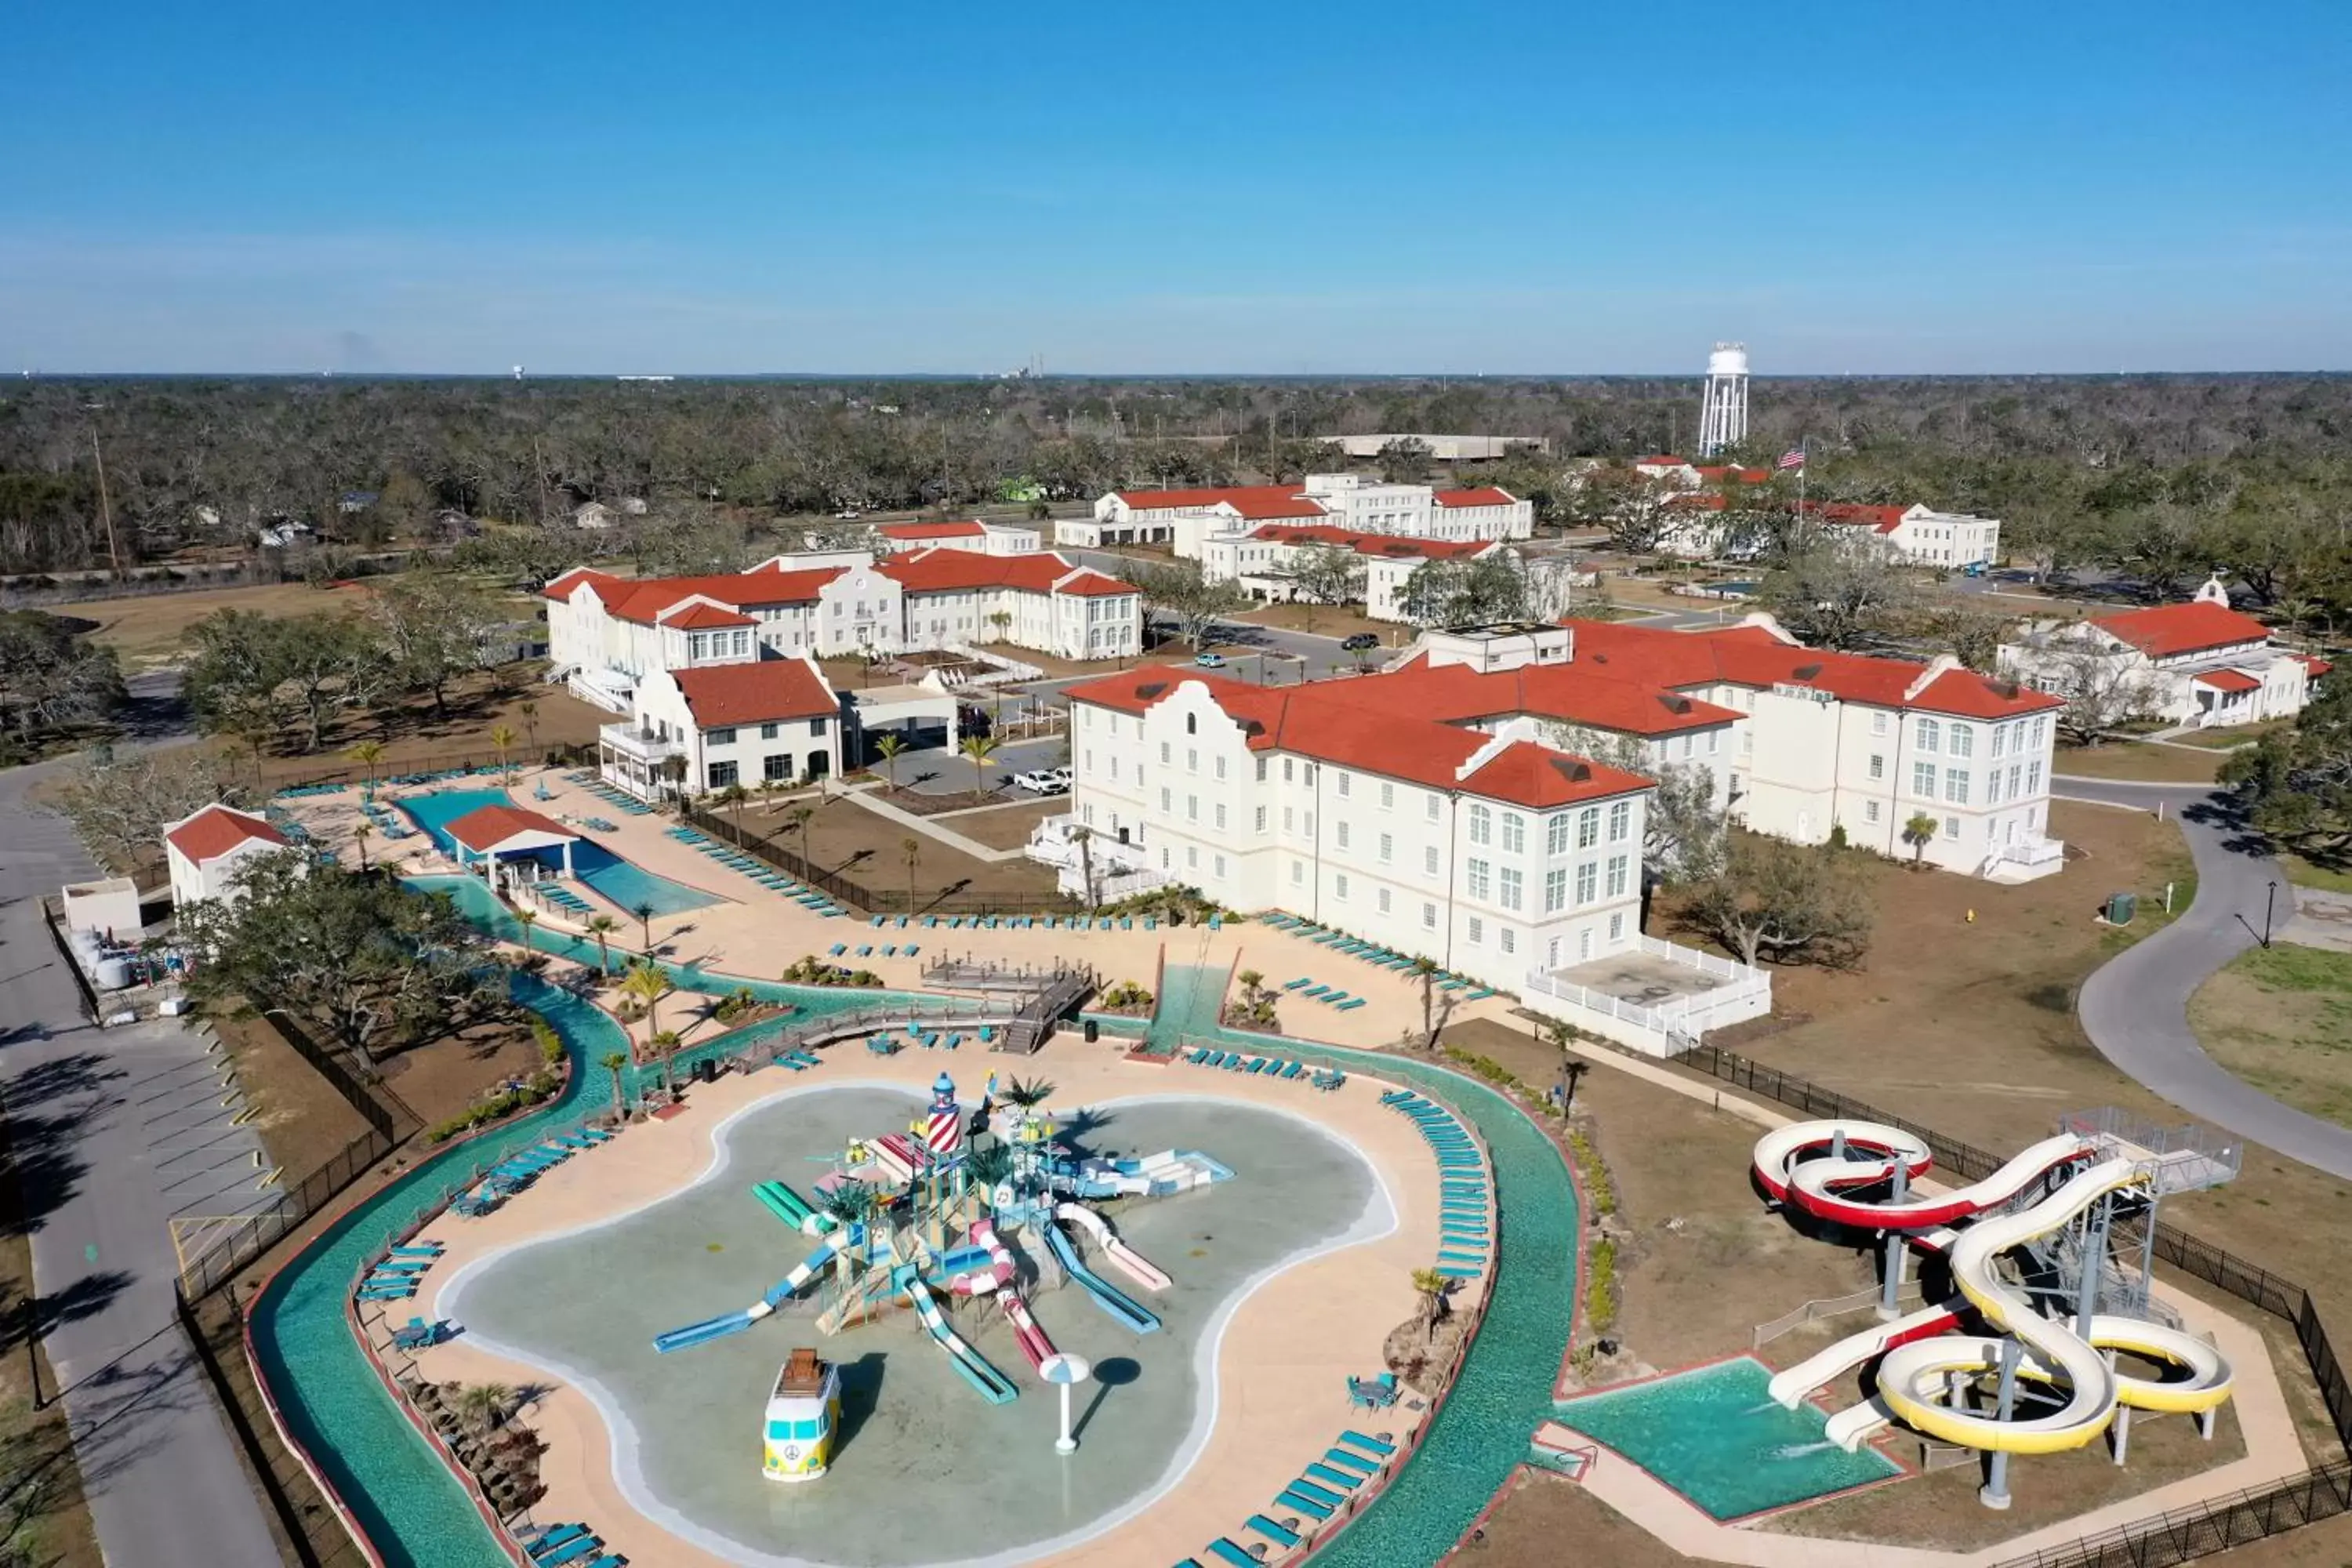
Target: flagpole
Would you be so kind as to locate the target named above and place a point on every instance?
(1801, 478)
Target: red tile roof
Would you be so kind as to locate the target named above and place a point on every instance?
(1394, 545)
(2229, 681)
(1752, 656)
(1574, 694)
(2316, 667)
(561, 587)
(1660, 460)
(1525, 774)
(1718, 473)
(952, 571)
(1253, 501)
(218, 829)
(486, 827)
(1482, 495)
(967, 530)
(762, 692)
(701, 616)
(644, 600)
(2170, 629)
(1850, 514)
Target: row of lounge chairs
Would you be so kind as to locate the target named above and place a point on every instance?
(798, 1060)
(1306, 990)
(1354, 1461)
(1325, 1079)
(885, 1045)
(304, 792)
(393, 1277)
(759, 870)
(570, 1546)
(564, 899)
(619, 798)
(866, 950)
(516, 1172)
(1464, 1230)
(1371, 953)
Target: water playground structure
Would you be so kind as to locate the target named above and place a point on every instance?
(905, 1218)
(2048, 1260)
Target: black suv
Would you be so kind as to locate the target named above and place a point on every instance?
(1359, 642)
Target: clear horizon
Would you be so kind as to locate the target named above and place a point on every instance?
(725, 190)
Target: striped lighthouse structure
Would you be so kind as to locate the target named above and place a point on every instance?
(943, 1126)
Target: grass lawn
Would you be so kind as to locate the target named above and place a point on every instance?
(147, 630)
(868, 847)
(2327, 878)
(2137, 760)
(2235, 735)
(2280, 1018)
(1006, 826)
(1326, 620)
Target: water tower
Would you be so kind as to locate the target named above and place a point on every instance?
(1723, 407)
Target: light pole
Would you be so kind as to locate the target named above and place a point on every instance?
(1067, 1372)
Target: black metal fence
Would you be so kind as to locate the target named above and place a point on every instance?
(2321, 1492)
(295, 773)
(218, 1255)
(258, 1459)
(858, 896)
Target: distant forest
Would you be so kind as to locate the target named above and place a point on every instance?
(190, 463)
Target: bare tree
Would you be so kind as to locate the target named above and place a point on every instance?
(1789, 902)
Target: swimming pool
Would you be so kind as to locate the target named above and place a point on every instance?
(1716, 1435)
(629, 886)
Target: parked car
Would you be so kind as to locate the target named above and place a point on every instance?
(1359, 641)
(1041, 781)
(1209, 660)
(1067, 777)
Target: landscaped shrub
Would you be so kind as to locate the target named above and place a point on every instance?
(1601, 1295)
(504, 1104)
(1127, 997)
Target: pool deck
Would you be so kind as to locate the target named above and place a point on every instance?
(759, 932)
(1284, 1353)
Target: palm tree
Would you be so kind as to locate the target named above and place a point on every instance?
(360, 831)
(733, 797)
(601, 927)
(674, 770)
(1002, 621)
(503, 738)
(616, 1063)
(530, 918)
(1026, 1093)
(483, 1406)
(529, 711)
(1084, 838)
(887, 748)
(911, 850)
(1431, 1287)
(1919, 833)
(648, 985)
(368, 753)
(979, 749)
(987, 1164)
(1425, 969)
(798, 817)
(1252, 981)
(666, 1042)
(645, 913)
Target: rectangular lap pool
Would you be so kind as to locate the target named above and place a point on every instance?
(629, 886)
(1714, 1434)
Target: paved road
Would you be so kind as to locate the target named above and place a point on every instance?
(2134, 1007)
(157, 1459)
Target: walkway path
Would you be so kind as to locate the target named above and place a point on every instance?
(2134, 1007)
(157, 1460)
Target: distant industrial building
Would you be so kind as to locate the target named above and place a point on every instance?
(1447, 449)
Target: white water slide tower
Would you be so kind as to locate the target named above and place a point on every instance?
(1723, 408)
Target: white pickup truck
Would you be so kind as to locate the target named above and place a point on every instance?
(1043, 780)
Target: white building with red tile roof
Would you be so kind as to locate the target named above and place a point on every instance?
(1183, 520)
(1917, 535)
(2201, 663)
(979, 538)
(767, 721)
(1267, 560)
(206, 850)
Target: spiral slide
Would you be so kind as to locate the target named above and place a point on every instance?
(1913, 1377)
(1134, 1264)
(1826, 1366)
(1791, 1165)
(998, 1272)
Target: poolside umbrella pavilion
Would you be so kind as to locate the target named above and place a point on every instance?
(508, 832)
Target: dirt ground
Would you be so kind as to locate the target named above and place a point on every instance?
(146, 630)
(302, 1121)
(859, 844)
(45, 1521)
(2280, 1018)
(2137, 760)
(443, 1078)
(1006, 826)
(1326, 620)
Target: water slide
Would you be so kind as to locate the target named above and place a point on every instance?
(792, 1209)
(1826, 1366)
(1034, 1342)
(1105, 1294)
(1131, 1262)
(1794, 1166)
(728, 1323)
(988, 1251)
(1916, 1378)
(976, 1371)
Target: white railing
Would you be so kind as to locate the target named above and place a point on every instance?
(637, 742)
(2033, 853)
(1661, 1030)
(1706, 963)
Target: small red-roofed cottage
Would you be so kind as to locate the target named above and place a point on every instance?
(979, 538)
(207, 849)
(2202, 664)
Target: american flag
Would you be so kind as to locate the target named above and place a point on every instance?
(1794, 457)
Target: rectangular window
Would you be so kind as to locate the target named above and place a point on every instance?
(1878, 764)
(1221, 767)
(1587, 827)
(1621, 821)
(1956, 786)
(1482, 825)
(1951, 827)
(778, 767)
(1878, 723)
(1261, 769)
(1870, 811)
(720, 737)
(1192, 808)
(1555, 891)
(1510, 883)
(1930, 735)
(1192, 759)
(1923, 780)
(1617, 926)
(1388, 849)
(1261, 819)
(1340, 887)
(721, 774)
(1297, 872)
(1387, 794)
(1617, 863)
(1556, 835)
(1341, 832)
(1960, 740)
(1288, 821)
(1993, 785)
(1514, 833)
(1429, 802)
(1220, 865)
(1220, 817)
(1429, 860)
(1344, 786)
(1587, 882)
(1429, 916)
(1192, 856)
(2034, 778)
(1287, 769)
(1507, 938)
(1476, 930)
(1382, 899)
(2000, 736)
(767, 732)
(1164, 805)
(1479, 876)
(1713, 737)
(1166, 754)
(816, 726)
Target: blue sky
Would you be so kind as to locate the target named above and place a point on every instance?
(1854, 186)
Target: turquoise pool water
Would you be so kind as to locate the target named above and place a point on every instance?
(1714, 1434)
(624, 883)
